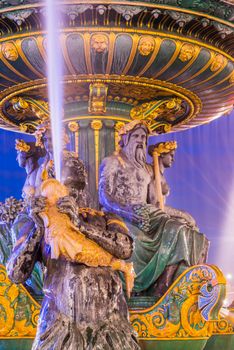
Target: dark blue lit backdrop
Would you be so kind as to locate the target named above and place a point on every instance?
(201, 181)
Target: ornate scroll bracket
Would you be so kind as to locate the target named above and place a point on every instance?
(37, 109)
(159, 114)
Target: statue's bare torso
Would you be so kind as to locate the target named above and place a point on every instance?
(126, 183)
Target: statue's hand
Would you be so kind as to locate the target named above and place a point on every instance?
(36, 206)
(67, 205)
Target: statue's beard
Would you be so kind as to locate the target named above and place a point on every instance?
(136, 154)
(140, 156)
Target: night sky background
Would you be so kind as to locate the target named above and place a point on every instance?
(201, 181)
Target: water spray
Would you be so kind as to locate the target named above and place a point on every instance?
(55, 75)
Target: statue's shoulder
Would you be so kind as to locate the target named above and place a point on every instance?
(23, 218)
(112, 161)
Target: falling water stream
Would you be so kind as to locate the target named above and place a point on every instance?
(55, 76)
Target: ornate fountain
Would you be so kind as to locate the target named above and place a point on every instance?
(169, 62)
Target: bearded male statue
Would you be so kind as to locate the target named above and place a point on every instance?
(164, 245)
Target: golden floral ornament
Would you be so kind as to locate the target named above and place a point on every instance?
(21, 146)
(99, 42)
(96, 124)
(217, 63)
(73, 126)
(9, 51)
(186, 52)
(166, 147)
(174, 103)
(119, 125)
(23, 127)
(146, 45)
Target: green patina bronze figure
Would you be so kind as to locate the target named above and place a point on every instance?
(166, 241)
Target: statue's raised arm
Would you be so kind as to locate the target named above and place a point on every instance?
(26, 251)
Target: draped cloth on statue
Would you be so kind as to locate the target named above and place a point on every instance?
(167, 242)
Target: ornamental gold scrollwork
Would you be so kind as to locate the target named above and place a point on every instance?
(133, 89)
(97, 98)
(168, 109)
(223, 326)
(18, 311)
(225, 322)
(155, 325)
(180, 313)
(36, 110)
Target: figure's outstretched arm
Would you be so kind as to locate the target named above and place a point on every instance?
(25, 251)
(115, 238)
(112, 235)
(29, 232)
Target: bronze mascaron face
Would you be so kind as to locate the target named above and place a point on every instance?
(99, 43)
(9, 51)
